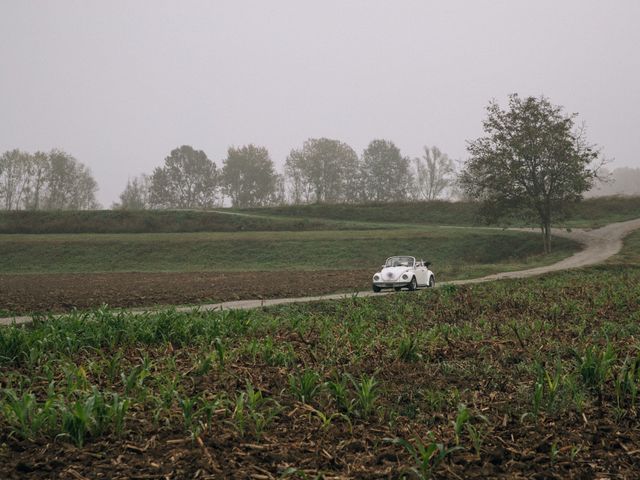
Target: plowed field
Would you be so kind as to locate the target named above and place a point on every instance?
(64, 292)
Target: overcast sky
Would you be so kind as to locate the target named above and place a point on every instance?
(118, 84)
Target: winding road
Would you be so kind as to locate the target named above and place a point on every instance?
(599, 245)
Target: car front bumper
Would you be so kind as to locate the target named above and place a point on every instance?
(392, 284)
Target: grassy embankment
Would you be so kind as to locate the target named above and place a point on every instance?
(515, 377)
(593, 212)
(156, 221)
(589, 213)
(455, 253)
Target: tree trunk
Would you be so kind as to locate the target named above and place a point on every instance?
(546, 237)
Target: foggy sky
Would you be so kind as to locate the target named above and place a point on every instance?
(118, 84)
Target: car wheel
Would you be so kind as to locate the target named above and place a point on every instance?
(432, 281)
(413, 285)
(375, 288)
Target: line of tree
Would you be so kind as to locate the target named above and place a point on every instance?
(45, 181)
(323, 170)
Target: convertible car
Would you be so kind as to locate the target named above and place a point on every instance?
(403, 272)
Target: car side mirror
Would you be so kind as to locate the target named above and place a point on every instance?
(427, 264)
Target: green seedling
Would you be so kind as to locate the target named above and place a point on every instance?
(188, 408)
(538, 397)
(305, 387)
(366, 394)
(408, 349)
(626, 383)
(78, 420)
(327, 420)
(462, 418)
(135, 379)
(340, 392)
(205, 364)
(27, 417)
(426, 455)
(220, 350)
(595, 366)
(476, 435)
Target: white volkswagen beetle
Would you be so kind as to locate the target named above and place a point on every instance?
(403, 271)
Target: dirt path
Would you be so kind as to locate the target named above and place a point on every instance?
(600, 244)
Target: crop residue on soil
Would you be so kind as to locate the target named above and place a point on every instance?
(27, 293)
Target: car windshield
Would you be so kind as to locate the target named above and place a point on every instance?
(400, 262)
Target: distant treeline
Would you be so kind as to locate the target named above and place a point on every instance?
(45, 181)
(321, 171)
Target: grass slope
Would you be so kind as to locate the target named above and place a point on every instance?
(154, 221)
(588, 213)
(592, 212)
(419, 213)
(455, 252)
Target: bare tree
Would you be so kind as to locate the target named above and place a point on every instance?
(51, 181)
(135, 195)
(434, 173)
(40, 170)
(14, 178)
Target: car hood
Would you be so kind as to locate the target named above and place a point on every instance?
(393, 272)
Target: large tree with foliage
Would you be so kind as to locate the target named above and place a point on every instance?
(188, 179)
(532, 161)
(385, 172)
(323, 170)
(248, 176)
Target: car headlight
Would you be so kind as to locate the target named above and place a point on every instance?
(405, 277)
(376, 277)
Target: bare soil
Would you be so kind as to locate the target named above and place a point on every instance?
(57, 293)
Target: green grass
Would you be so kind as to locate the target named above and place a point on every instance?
(591, 212)
(454, 252)
(418, 213)
(630, 253)
(155, 221)
(597, 212)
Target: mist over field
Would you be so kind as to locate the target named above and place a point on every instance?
(119, 85)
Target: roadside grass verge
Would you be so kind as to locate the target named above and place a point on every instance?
(630, 253)
(366, 384)
(455, 253)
